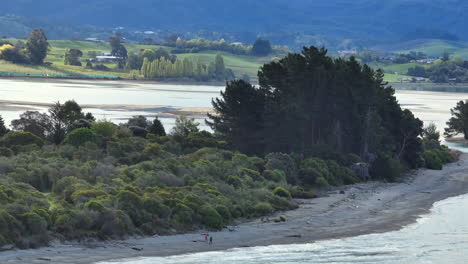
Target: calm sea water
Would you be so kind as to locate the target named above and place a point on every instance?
(106, 93)
(440, 237)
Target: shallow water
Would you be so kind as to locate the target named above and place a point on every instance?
(105, 93)
(440, 237)
(428, 106)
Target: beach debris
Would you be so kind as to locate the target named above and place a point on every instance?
(361, 169)
(44, 259)
(342, 192)
(280, 219)
(7, 247)
(295, 236)
(137, 249)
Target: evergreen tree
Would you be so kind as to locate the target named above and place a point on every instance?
(72, 57)
(3, 129)
(240, 116)
(311, 99)
(261, 47)
(37, 46)
(118, 49)
(459, 121)
(220, 68)
(157, 128)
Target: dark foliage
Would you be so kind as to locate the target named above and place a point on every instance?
(310, 98)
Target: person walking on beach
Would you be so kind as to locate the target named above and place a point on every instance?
(206, 238)
(211, 240)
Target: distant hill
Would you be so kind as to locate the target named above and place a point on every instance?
(336, 20)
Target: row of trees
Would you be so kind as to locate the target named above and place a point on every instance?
(187, 68)
(443, 71)
(261, 47)
(34, 52)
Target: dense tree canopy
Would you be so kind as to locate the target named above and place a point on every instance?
(37, 46)
(118, 49)
(308, 99)
(72, 57)
(459, 121)
(261, 47)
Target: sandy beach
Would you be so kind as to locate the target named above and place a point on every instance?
(372, 207)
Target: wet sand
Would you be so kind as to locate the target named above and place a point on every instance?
(372, 207)
(13, 105)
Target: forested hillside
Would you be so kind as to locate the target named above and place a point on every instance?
(408, 19)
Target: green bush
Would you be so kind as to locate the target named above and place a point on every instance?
(5, 152)
(432, 159)
(86, 195)
(104, 129)
(234, 181)
(224, 212)
(21, 139)
(210, 217)
(79, 137)
(282, 162)
(152, 150)
(386, 167)
(276, 175)
(182, 215)
(262, 208)
(34, 223)
(255, 175)
(95, 206)
(282, 192)
(321, 182)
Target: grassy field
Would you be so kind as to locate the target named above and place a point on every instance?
(437, 47)
(239, 64)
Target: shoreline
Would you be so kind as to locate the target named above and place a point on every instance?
(119, 79)
(373, 207)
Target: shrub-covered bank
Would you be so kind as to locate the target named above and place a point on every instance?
(64, 175)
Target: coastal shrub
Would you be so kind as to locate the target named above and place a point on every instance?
(82, 196)
(262, 208)
(21, 139)
(152, 150)
(432, 160)
(282, 192)
(314, 171)
(79, 137)
(321, 182)
(299, 193)
(104, 129)
(33, 223)
(234, 180)
(386, 167)
(182, 215)
(116, 224)
(224, 212)
(6, 152)
(255, 175)
(280, 203)
(210, 217)
(94, 205)
(282, 162)
(276, 175)
(10, 227)
(156, 207)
